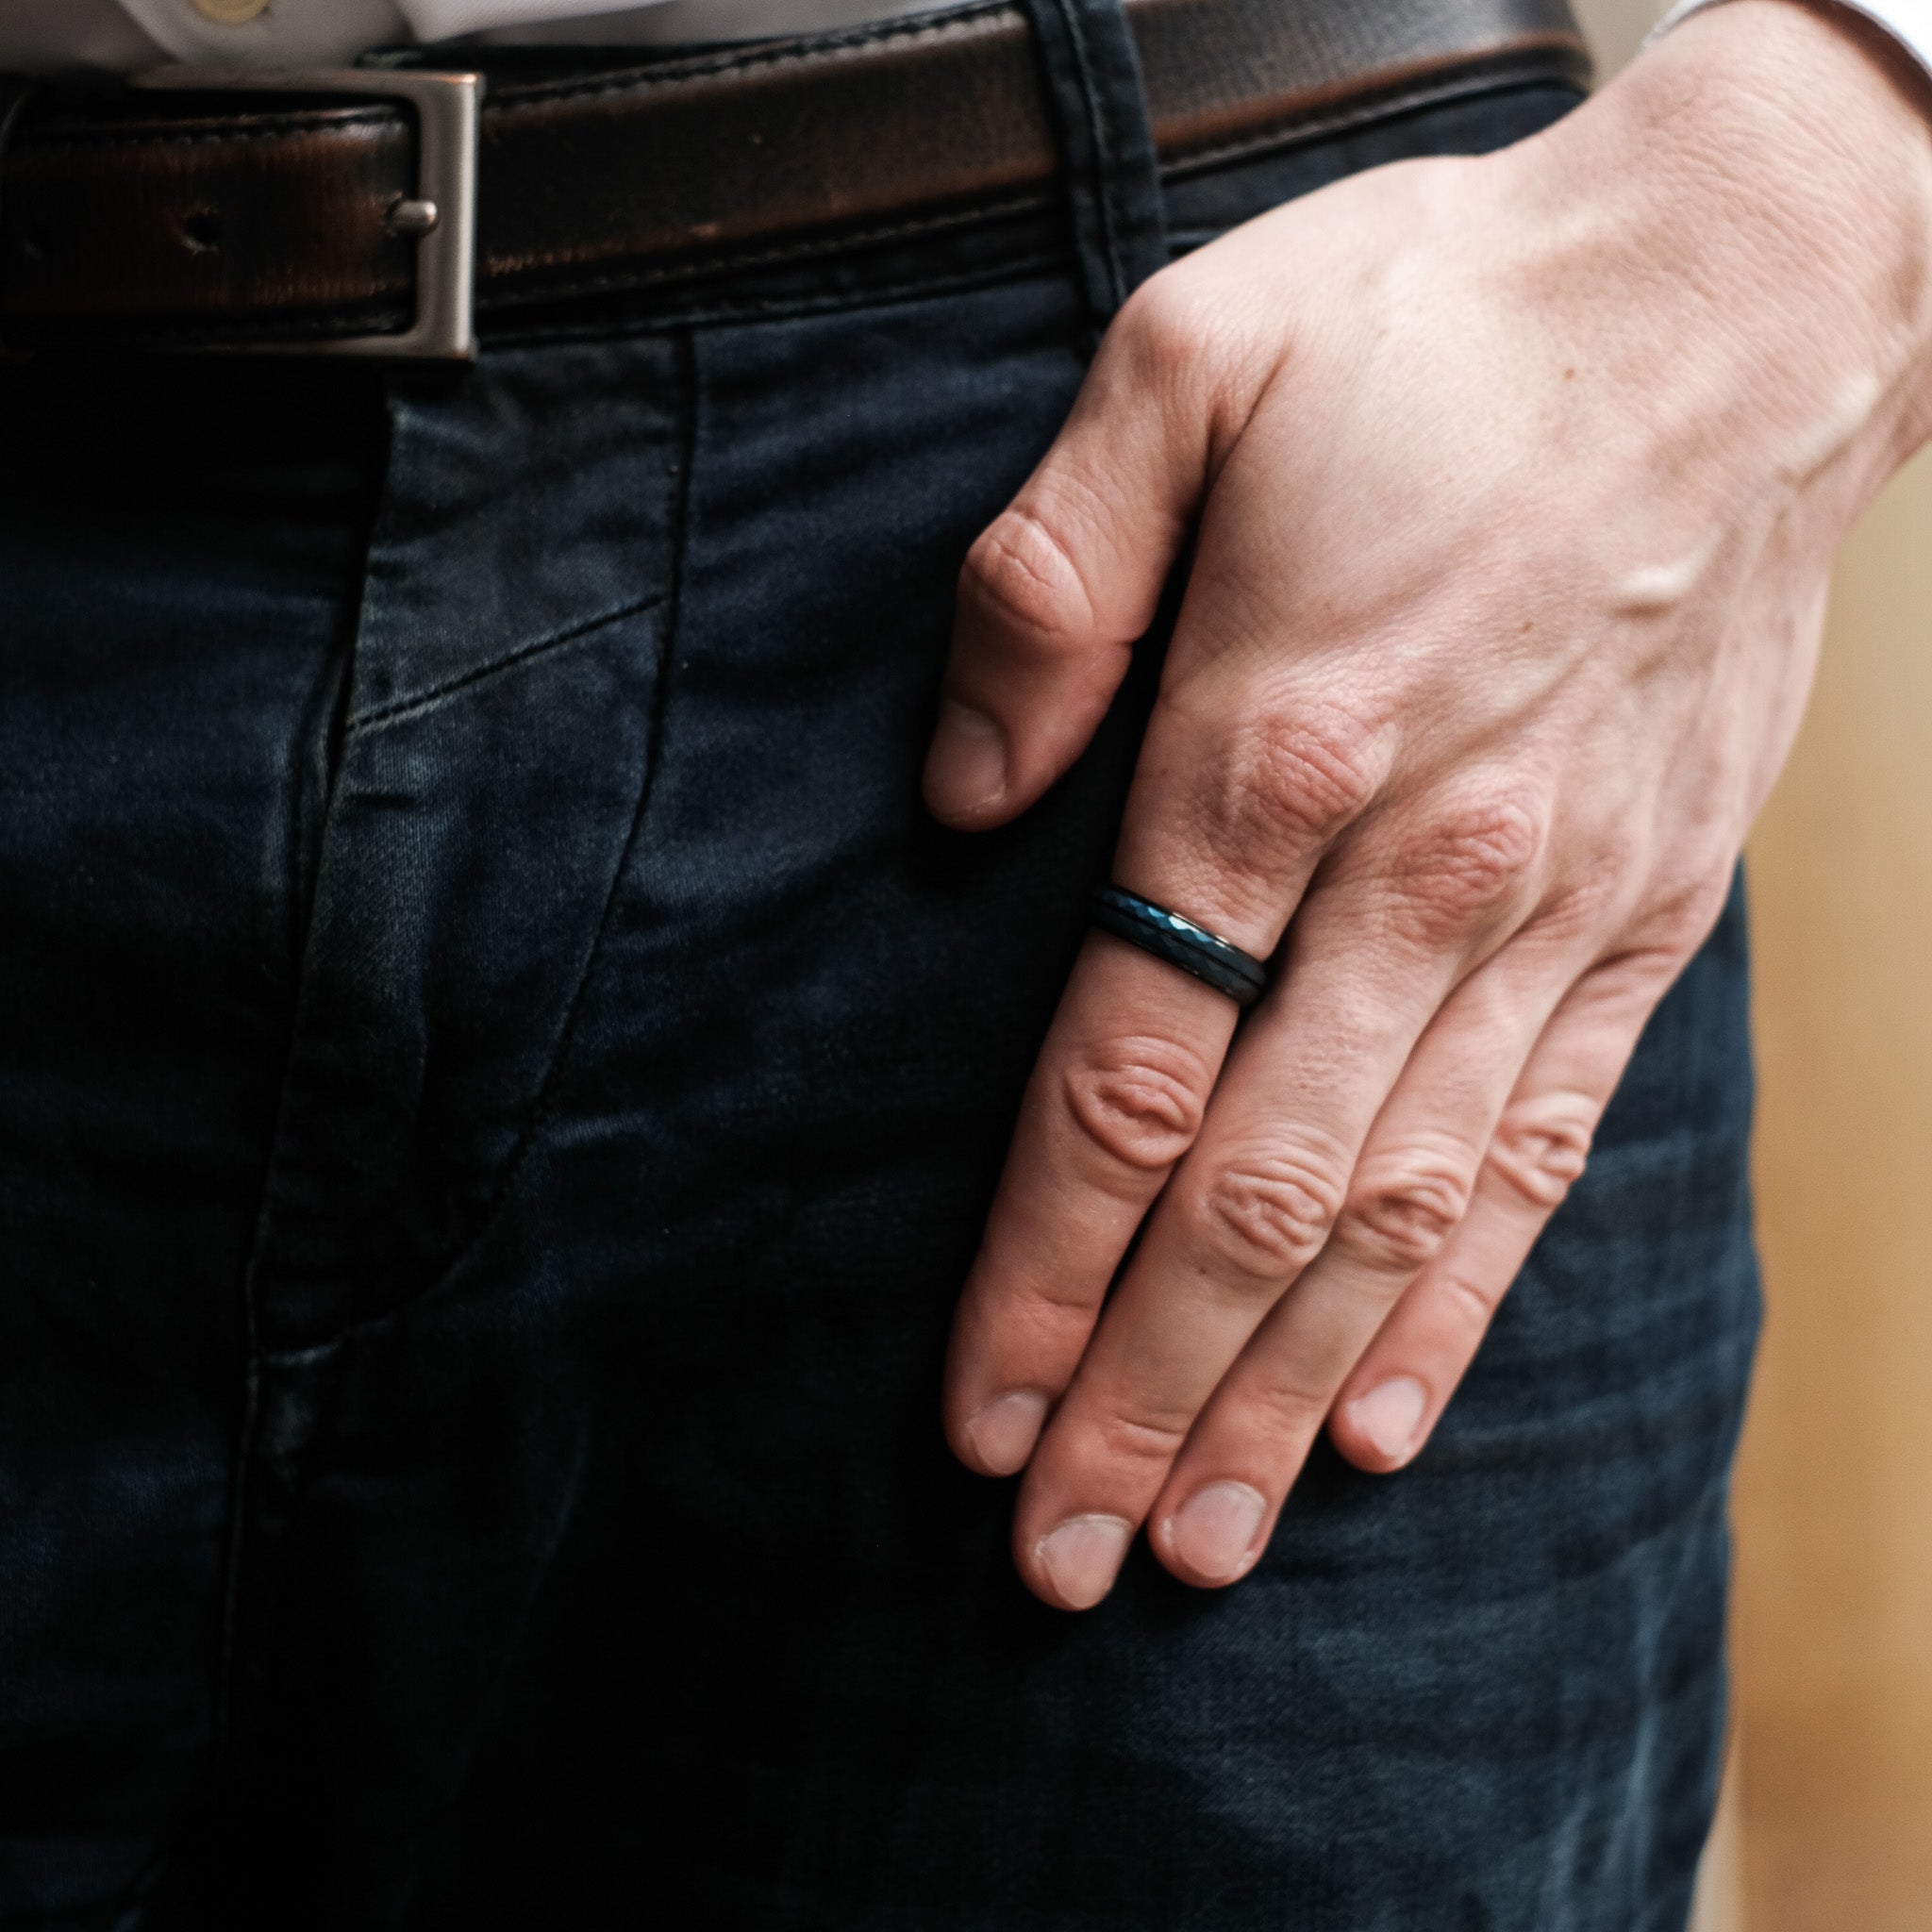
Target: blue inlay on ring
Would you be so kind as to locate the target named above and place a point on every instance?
(1180, 942)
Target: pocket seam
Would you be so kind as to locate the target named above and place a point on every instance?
(398, 709)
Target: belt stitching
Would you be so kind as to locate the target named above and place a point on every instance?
(521, 95)
(208, 136)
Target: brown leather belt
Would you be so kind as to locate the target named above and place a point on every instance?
(309, 218)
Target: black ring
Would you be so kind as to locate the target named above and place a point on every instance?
(1180, 942)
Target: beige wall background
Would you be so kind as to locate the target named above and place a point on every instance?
(1827, 1824)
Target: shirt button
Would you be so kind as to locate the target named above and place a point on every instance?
(229, 12)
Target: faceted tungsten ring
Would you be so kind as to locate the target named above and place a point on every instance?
(1180, 942)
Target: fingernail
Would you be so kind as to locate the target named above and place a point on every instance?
(1082, 1556)
(967, 765)
(1004, 1432)
(1212, 1531)
(1389, 1415)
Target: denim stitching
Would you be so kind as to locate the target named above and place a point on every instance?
(426, 700)
(748, 308)
(645, 277)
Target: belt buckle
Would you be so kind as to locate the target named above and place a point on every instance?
(441, 214)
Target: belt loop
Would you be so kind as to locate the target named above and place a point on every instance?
(1093, 91)
(15, 92)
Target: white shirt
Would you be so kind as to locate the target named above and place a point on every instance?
(1908, 21)
(118, 36)
(52, 36)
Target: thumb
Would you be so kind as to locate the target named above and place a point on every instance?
(1060, 586)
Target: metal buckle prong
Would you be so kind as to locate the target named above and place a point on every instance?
(441, 214)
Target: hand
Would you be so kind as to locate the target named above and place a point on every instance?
(1517, 482)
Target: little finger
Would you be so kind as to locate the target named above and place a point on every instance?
(1399, 1389)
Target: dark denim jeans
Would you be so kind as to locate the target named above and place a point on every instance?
(500, 1082)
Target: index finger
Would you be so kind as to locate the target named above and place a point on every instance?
(1116, 1098)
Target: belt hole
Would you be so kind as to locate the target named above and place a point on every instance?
(202, 231)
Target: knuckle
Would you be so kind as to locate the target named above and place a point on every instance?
(1655, 945)
(1144, 1437)
(1137, 1102)
(1403, 1207)
(1185, 345)
(1470, 864)
(1019, 576)
(1587, 903)
(1680, 919)
(1170, 324)
(1541, 1144)
(1044, 1308)
(1472, 1303)
(1263, 1217)
(1295, 1407)
(1278, 786)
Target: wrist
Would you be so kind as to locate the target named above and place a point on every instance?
(1742, 221)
